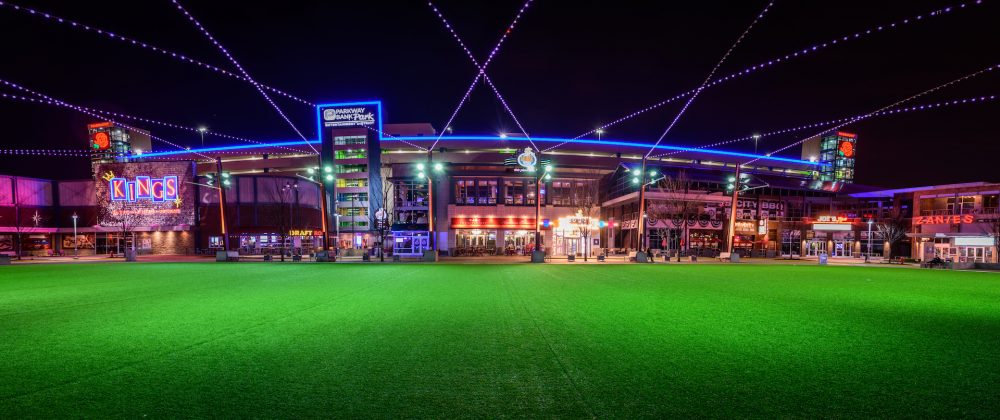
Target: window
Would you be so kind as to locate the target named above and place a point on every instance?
(352, 211)
(352, 183)
(350, 169)
(578, 193)
(351, 154)
(473, 191)
(349, 140)
(349, 197)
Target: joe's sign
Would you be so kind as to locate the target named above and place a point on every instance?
(143, 188)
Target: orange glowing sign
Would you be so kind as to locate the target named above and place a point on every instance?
(832, 219)
(846, 149)
(105, 124)
(846, 134)
(941, 220)
(101, 141)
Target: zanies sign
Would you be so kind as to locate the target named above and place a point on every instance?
(955, 219)
(145, 193)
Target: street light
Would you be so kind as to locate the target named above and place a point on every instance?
(201, 131)
(599, 132)
(76, 239)
(756, 138)
(870, 221)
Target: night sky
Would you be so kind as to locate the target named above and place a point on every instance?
(568, 67)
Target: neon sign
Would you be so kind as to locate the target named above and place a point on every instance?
(832, 219)
(527, 160)
(144, 188)
(940, 220)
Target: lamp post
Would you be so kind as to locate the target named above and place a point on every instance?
(201, 131)
(732, 210)
(599, 132)
(435, 168)
(869, 254)
(76, 240)
(756, 138)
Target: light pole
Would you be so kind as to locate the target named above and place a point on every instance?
(599, 132)
(643, 179)
(436, 168)
(756, 138)
(869, 254)
(76, 240)
(201, 131)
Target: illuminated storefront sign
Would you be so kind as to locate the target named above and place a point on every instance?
(941, 220)
(527, 159)
(832, 219)
(493, 222)
(305, 232)
(144, 188)
(358, 115)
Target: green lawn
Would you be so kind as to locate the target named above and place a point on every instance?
(412, 340)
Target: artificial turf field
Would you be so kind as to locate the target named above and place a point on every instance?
(413, 340)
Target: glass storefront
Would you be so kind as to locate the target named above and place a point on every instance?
(410, 243)
(518, 242)
(475, 242)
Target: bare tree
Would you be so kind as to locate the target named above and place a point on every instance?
(676, 200)
(993, 225)
(589, 206)
(893, 229)
(124, 217)
(280, 216)
(386, 216)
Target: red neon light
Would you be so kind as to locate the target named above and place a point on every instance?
(941, 220)
(846, 134)
(101, 140)
(99, 125)
(847, 148)
(492, 222)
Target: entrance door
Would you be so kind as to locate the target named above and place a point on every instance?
(572, 246)
(842, 248)
(815, 248)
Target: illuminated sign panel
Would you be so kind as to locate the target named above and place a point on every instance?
(956, 219)
(149, 193)
(492, 222)
(157, 190)
(361, 114)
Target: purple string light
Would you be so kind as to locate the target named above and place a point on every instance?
(709, 78)
(52, 101)
(893, 105)
(482, 68)
(926, 107)
(47, 152)
(243, 71)
(384, 134)
(131, 41)
(45, 99)
(787, 57)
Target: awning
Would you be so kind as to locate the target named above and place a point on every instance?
(14, 229)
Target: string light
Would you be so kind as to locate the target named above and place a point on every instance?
(482, 68)
(243, 71)
(384, 134)
(708, 78)
(47, 152)
(787, 57)
(131, 41)
(43, 98)
(925, 107)
(146, 120)
(475, 62)
(893, 105)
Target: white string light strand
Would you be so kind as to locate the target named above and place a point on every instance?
(475, 63)
(132, 117)
(390, 136)
(870, 114)
(47, 152)
(243, 71)
(787, 57)
(709, 78)
(926, 107)
(134, 42)
(482, 69)
(45, 99)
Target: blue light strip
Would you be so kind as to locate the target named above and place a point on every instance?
(495, 139)
(225, 148)
(615, 143)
